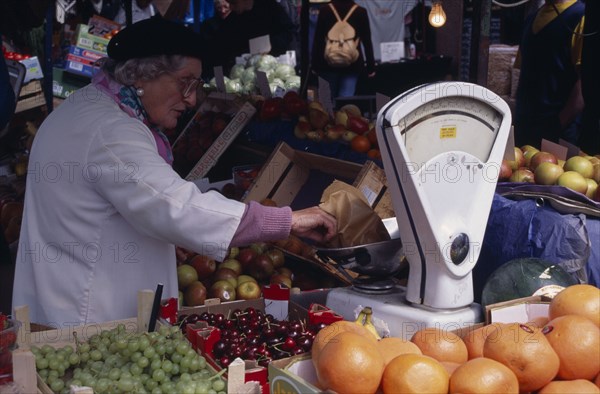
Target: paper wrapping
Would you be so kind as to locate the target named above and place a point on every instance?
(357, 222)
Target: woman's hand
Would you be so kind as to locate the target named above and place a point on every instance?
(314, 223)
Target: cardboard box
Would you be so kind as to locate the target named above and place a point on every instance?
(372, 182)
(84, 39)
(33, 69)
(89, 55)
(79, 68)
(64, 83)
(220, 143)
(288, 174)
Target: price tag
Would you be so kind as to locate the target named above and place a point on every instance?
(325, 96)
(219, 79)
(381, 100)
(557, 150)
(263, 84)
(391, 51)
(260, 44)
(572, 149)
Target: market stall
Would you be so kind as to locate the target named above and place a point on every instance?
(454, 248)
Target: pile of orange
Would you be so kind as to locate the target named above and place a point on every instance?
(562, 356)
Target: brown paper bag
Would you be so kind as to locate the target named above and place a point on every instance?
(357, 222)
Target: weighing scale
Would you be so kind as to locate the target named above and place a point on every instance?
(441, 145)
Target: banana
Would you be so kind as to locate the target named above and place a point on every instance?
(364, 319)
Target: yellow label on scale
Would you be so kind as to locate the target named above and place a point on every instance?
(448, 132)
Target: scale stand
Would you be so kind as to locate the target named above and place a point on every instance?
(442, 146)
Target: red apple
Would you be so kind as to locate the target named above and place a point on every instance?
(248, 291)
(271, 108)
(519, 160)
(358, 124)
(505, 171)
(195, 294)
(541, 157)
(280, 279)
(222, 290)
(277, 257)
(301, 129)
(522, 175)
(261, 267)
(218, 125)
(295, 106)
(246, 256)
(225, 274)
(204, 266)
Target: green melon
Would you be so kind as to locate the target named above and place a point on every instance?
(523, 278)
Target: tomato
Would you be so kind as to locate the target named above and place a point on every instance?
(360, 143)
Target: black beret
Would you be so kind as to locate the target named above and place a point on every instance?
(153, 37)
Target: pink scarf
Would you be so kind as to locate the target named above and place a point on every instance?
(130, 103)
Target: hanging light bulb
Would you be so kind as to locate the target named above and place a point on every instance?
(437, 16)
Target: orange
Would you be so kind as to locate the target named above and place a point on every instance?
(483, 375)
(526, 351)
(441, 345)
(350, 364)
(360, 143)
(578, 300)
(374, 154)
(579, 386)
(474, 339)
(576, 340)
(415, 373)
(326, 334)
(597, 380)
(391, 347)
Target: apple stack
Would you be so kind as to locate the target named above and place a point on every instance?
(347, 125)
(579, 173)
(239, 277)
(197, 137)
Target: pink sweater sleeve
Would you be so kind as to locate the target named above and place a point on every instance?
(262, 224)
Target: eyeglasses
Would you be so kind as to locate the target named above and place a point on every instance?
(190, 86)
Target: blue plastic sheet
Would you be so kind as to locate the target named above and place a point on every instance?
(526, 228)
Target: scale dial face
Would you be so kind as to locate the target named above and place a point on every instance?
(450, 124)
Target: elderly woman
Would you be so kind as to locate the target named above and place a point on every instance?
(104, 208)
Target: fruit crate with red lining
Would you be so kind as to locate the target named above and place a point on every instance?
(213, 332)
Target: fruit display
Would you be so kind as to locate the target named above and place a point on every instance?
(197, 138)
(561, 353)
(240, 276)
(578, 173)
(116, 360)
(253, 335)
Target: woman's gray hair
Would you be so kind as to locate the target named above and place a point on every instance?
(144, 69)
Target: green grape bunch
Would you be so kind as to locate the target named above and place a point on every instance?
(118, 361)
